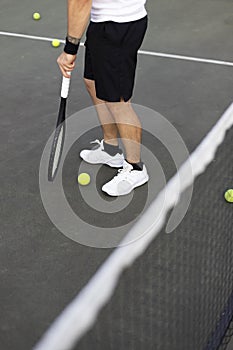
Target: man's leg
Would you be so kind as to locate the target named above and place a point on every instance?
(122, 114)
(129, 127)
(102, 57)
(107, 122)
(108, 151)
(135, 173)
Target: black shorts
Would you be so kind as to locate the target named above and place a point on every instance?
(111, 57)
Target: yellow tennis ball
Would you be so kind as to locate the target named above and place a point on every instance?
(56, 43)
(84, 179)
(229, 196)
(36, 16)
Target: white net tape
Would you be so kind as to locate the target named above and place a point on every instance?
(79, 316)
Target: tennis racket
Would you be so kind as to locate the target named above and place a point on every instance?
(59, 136)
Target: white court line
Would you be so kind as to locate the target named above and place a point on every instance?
(186, 58)
(142, 52)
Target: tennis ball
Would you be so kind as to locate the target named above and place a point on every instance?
(56, 43)
(229, 196)
(84, 179)
(36, 16)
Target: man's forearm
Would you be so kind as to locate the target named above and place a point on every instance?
(78, 16)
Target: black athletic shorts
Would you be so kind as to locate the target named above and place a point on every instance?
(111, 57)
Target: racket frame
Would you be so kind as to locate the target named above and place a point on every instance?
(59, 125)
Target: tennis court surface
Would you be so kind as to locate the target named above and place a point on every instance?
(170, 291)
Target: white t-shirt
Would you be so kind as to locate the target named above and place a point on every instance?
(117, 10)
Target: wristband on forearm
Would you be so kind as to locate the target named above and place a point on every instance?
(71, 45)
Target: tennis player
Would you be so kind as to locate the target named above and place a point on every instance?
(113, 37)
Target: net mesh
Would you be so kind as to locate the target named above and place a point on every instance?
(178, 293)
(227, 341)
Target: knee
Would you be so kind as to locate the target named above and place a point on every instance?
(89, 85)
(118, 107)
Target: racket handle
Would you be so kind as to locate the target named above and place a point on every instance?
(65, 86)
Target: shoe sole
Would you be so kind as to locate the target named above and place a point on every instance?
(112, 165)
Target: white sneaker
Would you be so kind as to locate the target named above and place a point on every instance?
(126, 180)
(99, 156)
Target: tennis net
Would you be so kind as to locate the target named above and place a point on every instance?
(165, 291)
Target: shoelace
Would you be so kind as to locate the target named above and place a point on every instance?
(98, 142)
(123, 171)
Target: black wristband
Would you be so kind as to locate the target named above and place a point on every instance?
(71, 48)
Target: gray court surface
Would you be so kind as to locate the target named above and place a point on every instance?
(41, 268)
